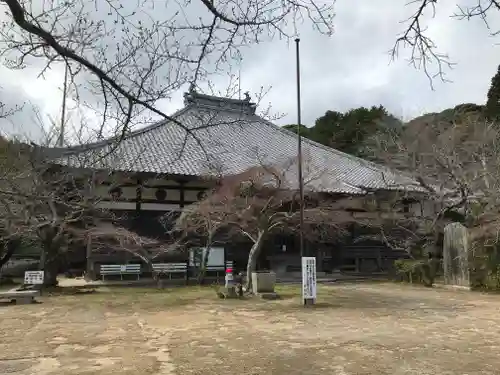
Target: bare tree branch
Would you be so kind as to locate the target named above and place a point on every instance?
(133, 57)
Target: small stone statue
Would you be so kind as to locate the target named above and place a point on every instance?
(233, 289)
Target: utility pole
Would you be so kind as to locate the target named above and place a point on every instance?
(299, 152)
(60, 140)
(239, 80)
(308, 263)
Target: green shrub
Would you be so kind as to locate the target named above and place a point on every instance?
(421, 271)
(485, 266)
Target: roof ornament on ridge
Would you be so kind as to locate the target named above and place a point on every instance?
(193, 98)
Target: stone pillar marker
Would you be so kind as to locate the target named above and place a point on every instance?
(456, 254)
(263, 284)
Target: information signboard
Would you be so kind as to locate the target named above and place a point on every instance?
(309, 278)
(215, 257)
(33, 277)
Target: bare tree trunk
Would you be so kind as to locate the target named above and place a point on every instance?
(203, 263)
(252, 259)
(49, 262)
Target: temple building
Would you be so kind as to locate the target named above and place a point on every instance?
(168, 166)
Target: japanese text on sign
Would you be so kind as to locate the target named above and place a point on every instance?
(309, 277)
(33, 277)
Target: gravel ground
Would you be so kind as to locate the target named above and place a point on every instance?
(353, 329)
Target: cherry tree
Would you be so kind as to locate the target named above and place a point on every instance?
(263, 200)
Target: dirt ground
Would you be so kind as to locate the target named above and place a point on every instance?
(354, 329)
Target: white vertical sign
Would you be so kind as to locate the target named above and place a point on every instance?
(309, 277)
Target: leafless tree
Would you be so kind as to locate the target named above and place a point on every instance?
(454, 162)
(424, 53)
(123, 59)
(108, 236)
(263, 200)
(55, 207)
(10, 164)
(199, 225)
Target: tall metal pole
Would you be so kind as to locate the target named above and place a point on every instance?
(306, 301)
(60, 141)
(239, 80)
(299, 152)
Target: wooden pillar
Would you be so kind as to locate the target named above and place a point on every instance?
(379, 261)
(138, 196)
(182, 196)
(319, 258)
(182, 200)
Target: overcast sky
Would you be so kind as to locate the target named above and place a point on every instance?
(349, 69)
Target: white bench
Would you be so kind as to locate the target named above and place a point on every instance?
(160, 269)
(20, 296)
(120, 269)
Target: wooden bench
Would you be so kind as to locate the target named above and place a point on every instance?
(160, 269)
(120, 269)
(20, 297)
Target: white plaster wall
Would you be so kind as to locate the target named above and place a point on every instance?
(148, 193)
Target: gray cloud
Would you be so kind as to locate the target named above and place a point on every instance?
(353, 68)
(20, 120)
(349, 69)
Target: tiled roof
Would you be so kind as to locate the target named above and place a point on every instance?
(230, 138)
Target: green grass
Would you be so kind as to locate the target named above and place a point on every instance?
(132, 298)
(137, 299)
(152, 299)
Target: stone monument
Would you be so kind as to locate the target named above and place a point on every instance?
(456, 256)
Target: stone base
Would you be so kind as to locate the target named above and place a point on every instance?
(269, 296)
(224, 292)
(309, 302)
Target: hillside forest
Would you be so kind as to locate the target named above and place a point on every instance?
(353, 130)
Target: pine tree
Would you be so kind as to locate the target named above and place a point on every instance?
(493, 102)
